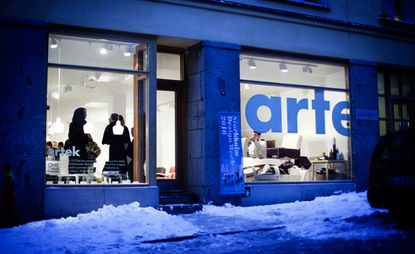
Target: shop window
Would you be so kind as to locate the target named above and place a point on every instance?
(301, 110)
(398, 10)
(396, 101)
(96, 115)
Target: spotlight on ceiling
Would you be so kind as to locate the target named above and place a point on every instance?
(128, 51)
(53, 43)
(283, 67)
(251, 64)
(67, 88)
(105, 49)
(307, 68)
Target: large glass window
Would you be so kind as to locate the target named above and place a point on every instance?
(96, 115)
(396, 102)
(295, 120)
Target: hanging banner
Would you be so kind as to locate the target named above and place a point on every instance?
(230, 153)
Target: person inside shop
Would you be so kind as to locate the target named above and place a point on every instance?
(60, 146)
(118, 143)
(60, 149)
(257, 147)
(50, 150)
(92, 148)
(78, 140)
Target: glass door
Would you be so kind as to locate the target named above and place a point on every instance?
(170, 133)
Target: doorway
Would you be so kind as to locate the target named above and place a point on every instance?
(170, 136)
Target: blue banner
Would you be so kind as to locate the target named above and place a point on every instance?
(230, 153)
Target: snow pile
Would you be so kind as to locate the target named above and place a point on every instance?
(346, 216)
(96, 231)
(123, 229)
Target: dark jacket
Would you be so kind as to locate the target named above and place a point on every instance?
(116, 142)
(79, 139)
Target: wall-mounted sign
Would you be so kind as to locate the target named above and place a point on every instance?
(230, 153)
(316, 109)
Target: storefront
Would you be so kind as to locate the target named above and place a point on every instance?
(128, 107)
(100, 126)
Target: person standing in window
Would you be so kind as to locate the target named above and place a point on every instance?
(257, 147)
(118, 143)
(78, 141)
(77, 136)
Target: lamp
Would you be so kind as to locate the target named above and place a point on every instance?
(67, 88)
(283, 67)
(58, 126)
(53, 43)
(105, 49)
(251, 64)
(128, 51)
(307, 68)
(56, 95)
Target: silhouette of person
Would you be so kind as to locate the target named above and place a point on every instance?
(9, 216)
(118, 143)
(77, 137)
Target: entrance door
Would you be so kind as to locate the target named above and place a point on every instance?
(170, 135)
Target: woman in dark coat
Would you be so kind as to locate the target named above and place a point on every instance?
(118, 143)
(77, 136)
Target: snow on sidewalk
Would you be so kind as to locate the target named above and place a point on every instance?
(346, 216)
(96, 231)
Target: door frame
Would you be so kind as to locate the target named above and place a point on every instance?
(178, 184)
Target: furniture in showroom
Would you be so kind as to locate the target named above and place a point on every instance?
(330, 165)
(60, 169)
(290, 147)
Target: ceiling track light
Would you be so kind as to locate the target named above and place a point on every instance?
(251, 64)
(283, 67)
(307, 68)
(128, 51)
(53, 43)
(105, 49)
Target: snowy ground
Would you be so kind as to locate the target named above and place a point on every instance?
(346, 219)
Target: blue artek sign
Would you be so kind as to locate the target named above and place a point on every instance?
(294, 105)
(230, 153)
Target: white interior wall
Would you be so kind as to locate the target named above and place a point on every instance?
(166, 130)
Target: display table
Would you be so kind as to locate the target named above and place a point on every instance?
(60, 169)
(329, 165)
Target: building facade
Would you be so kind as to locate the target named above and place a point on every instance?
(132, 91)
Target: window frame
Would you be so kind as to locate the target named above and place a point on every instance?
(390, 99)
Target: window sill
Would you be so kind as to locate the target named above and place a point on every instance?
(396, 23)
(324, 7)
